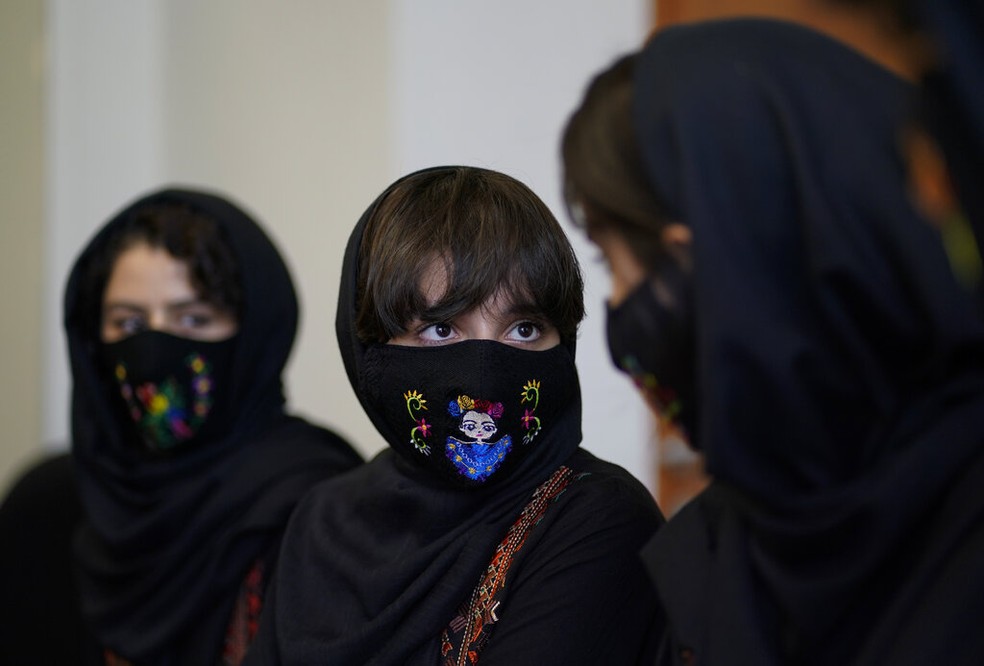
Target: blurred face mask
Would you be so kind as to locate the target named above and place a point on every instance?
(651, 337)
(173, 389)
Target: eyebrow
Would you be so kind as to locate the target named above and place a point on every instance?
(177, 305)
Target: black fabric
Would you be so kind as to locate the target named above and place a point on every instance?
(193, 376)
(841, 365)
(167, 541)
(40, 619)
(953, 98)
(651, 337)
(425, 401)
(376, 563)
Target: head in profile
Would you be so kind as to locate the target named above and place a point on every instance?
(776, 291)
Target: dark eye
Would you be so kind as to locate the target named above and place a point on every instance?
(524, 331)
(192, 320)
(439, 332)
(130, 325)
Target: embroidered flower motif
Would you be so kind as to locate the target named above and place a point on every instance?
(158, 404)
(162, 410)
(665, 399)
(422, 429)
(531, 423)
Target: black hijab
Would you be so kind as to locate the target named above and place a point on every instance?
(391, 550)
(841, 369)
(953, 97)
(166, 543)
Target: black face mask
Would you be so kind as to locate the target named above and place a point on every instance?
(468, 412)
(651, 337)
(172, 388)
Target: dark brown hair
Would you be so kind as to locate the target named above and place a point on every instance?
(605, 183)
(494, 236)
(186, 235)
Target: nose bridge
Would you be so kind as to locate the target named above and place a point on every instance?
(488, 329)
(157, 318)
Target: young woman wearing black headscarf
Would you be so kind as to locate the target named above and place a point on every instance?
(779, 296)
(180, 316)
(484, 534)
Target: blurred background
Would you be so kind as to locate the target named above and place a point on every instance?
(303, 111)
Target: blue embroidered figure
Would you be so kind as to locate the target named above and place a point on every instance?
(480, 458)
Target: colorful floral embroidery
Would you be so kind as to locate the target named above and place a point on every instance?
(531, 423)
(422, 429)
(480, 458)
(664, 399)
(469, 631)
(162, 410)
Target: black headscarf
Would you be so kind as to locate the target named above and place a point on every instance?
(841, 367)
(167, 542)
(953, 96)
(390, 550)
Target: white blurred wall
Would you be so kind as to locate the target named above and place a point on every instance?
(303, 110)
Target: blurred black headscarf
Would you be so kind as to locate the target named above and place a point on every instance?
(953, 95)
(167, 541)
(840, 363)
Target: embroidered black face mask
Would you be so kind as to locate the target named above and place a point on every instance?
(468, 412)
(171, 387)
(651, 337)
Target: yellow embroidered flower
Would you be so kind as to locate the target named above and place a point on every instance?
(197, 365)
(465, 403)
(158, 405)
(532, 384)
(120, 372)
(413, 396)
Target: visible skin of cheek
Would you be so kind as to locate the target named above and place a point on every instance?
(625, 270)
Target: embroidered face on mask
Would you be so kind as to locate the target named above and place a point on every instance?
(471, 411)
(172, 388)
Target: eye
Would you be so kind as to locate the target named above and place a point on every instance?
(524, 331)
(129, 325)
(440, 332)
(193, 320)
(200, 321)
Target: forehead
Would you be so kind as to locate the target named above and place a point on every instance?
(142, 274)
(436, 284)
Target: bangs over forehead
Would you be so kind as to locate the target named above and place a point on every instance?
(491, 235)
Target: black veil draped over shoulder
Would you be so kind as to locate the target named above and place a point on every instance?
(395, 571)
(841, 365)
(167, 542)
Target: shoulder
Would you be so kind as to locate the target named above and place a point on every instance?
(601, 504)
(300, 438)
(610, 488)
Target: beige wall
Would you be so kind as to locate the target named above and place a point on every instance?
(303, 111)
(21, 215)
